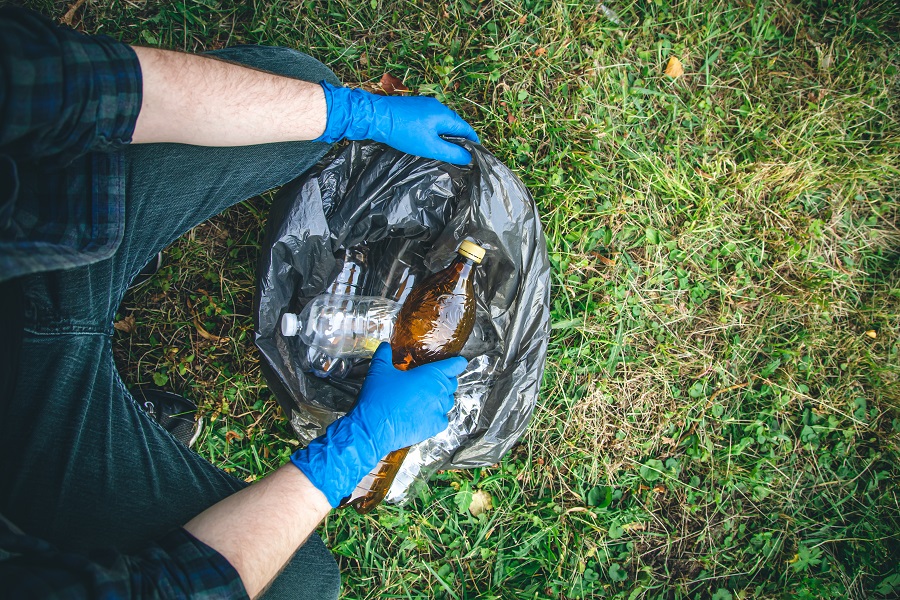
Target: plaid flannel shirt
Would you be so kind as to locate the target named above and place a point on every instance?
(176, 566)
(68, 104)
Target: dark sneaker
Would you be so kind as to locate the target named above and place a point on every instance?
(175, 413)
(147, 272)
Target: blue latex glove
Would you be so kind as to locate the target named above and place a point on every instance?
(409, 124)
(395, 409)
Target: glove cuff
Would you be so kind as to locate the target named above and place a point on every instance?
(351, 114)
(336, 461)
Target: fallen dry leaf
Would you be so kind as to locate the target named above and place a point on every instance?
(540, 51)
(522, 19)
(69, 17)
(126, 325)
(205, 334)
(511, 118)
(871, 333)
(231, 436)
(391, 84)
(481, 502)
(674, 69)
(606, 260)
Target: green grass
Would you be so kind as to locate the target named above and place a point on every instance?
(720, 414)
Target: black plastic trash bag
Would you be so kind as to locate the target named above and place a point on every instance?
(372, 195)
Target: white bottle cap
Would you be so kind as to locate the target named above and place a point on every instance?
(290, 324)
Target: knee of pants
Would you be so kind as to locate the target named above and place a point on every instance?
(283, 61)
(312, 574)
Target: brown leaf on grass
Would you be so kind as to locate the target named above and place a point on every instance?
(541, 51)
(231, 436)
(511, 118)
(522, 19)
(69, 17)
(606, 260)
(126, 325)
(674, 69)
(391, 84)
(481, 502)
(205, 334)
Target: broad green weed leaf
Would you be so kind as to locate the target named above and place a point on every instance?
(617, 573)
(650, 470)
(600, 496)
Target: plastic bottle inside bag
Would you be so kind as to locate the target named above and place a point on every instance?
(349, 282)
(399, 270)
(342, 326)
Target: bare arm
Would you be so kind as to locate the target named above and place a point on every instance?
(199, 100)
(261, 527)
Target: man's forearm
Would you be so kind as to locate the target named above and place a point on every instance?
(259, 528)
(199, 100)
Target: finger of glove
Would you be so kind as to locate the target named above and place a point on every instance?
(446, 372)
(383, 358)
(451, 367)
(453, 124)
(440, 149)
(448, 402)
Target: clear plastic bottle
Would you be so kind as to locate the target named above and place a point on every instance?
(342, 326)
(349, 282)
(398, 271)
(353, 272)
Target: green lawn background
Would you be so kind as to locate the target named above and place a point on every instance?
(719, 413)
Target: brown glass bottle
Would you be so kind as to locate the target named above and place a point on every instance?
(433, 324)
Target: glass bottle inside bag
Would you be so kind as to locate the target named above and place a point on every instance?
(434, 323)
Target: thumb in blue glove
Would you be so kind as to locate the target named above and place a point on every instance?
(410, 124)
(395, 409)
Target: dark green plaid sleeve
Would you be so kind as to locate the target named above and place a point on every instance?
(63, 93)
(176, 566)
(68, 104)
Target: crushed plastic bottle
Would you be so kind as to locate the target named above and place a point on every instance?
(343, 326)
(349, 282)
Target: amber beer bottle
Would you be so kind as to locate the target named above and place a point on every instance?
(433, 324)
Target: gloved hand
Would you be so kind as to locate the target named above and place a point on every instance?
(411, 124)
(395, 409)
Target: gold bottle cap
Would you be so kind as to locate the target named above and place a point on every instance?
(471, 250)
